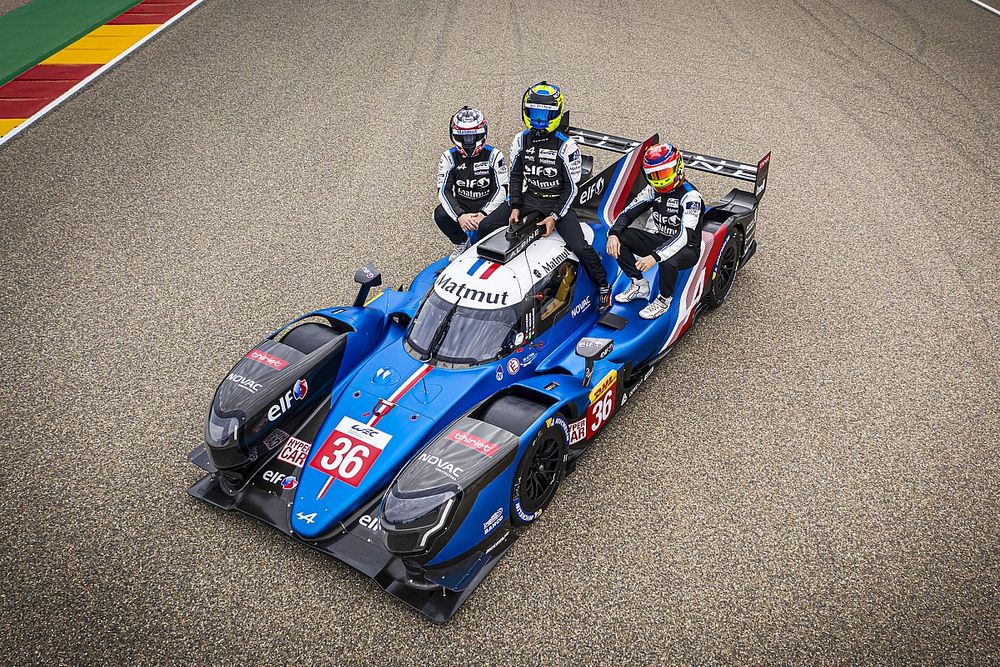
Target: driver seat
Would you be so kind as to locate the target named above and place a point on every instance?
(561, 297)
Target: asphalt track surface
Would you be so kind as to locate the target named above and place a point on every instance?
(811, 477)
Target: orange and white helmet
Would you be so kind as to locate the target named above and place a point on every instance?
(664, 167)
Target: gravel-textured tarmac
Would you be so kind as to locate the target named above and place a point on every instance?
(8, 5)
(813, 477)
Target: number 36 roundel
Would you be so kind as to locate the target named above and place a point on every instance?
(602, 403)
(349, 452)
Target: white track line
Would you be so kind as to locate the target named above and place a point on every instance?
(111, 63)
(986, 7)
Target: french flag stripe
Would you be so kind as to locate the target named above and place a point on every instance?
(390, 402)
(489, 272)
(412, 380)
(475, 267)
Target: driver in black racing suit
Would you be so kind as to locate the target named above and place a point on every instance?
(545, 166)
(669, 238)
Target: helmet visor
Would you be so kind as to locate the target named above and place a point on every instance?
(664, 178)
(468, 141)
(540, 115)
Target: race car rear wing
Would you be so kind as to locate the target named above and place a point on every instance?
(692, 160)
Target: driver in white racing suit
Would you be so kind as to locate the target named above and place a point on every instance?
(471, 180)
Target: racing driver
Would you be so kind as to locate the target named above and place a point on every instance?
(471, 179)
(669, 236)
(545, 166)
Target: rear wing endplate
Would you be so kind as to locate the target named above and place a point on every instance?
(692, 160)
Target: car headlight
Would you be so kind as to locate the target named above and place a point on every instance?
(227, 447)
(408, 512)
(219, 430)
(409, 523)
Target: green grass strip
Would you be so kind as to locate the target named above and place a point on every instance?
(33, 32)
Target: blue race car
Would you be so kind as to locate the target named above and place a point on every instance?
(414, 434)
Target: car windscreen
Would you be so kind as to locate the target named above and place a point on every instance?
(457, 334)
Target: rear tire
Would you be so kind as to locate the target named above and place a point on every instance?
(538, 474)
(726, 266)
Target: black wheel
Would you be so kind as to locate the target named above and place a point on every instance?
(541, 469)
(724, 273)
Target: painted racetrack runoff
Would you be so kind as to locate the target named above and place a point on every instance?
(812, 477)
(62, 73)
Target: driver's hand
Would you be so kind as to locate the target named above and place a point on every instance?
(468, 222)
(515, 215)
(645, 263)
(614, 246)
(477, 218)
(549, 223)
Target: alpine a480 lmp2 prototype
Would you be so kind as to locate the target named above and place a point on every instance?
(414, 435)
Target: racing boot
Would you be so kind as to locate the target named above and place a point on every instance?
(656, 307)
(603, 299)
(459, 249)
(639, 289)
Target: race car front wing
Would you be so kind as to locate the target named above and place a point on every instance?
(357, 541)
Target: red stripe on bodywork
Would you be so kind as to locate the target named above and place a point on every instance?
(398, 394)
(489, 272)
(716, 240)
(414, 379)
(635, 167)
(621, 190)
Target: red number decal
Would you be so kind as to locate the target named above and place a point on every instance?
(349, 452)
(602, 403)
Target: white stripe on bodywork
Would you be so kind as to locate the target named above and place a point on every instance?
(616, 187)
(692, 291)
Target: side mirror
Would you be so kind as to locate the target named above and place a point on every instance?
(593, 349)
(368, 276)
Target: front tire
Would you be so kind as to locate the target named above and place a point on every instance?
(724, 273)
(541, 470)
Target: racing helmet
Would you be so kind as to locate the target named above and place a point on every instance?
(468, 131)
(664, 167)
(542, 107)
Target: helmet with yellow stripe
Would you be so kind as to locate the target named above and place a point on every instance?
(663, 165)
(542, 107)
